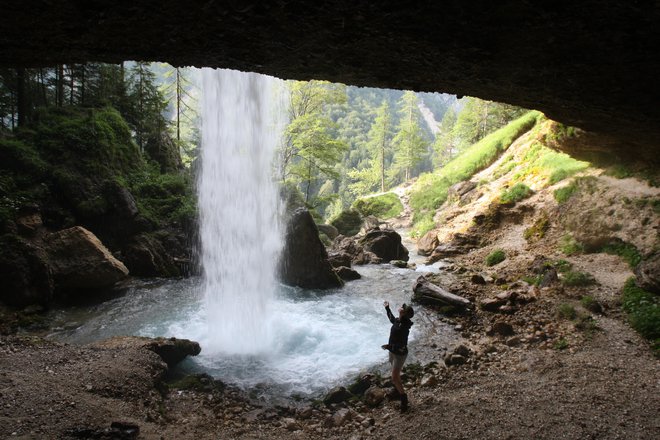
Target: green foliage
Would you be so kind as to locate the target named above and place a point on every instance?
(516, 193)
(423, 224)
(643, 310)
(577, 279)
(588, 302)
(561, 344)
(383, 206)
(570, 246)
(562, 266)
(348, 222)
(543, 161)
(409, 142)
(495, 257)
(627, 251)
(566, 192)
(430, 190)
(566, 311)
(533, 280)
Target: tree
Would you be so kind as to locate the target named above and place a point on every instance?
(379, 146)
(445, 142)
(146, 104)
(410, 145)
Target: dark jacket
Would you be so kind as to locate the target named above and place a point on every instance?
(398, 343)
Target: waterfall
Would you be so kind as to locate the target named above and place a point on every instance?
(240, 231)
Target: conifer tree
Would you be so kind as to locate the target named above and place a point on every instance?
(409, 142)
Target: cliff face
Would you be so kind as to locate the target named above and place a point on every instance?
(73, 168)
(588, 64)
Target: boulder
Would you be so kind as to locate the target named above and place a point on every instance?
(491, 304)
(374, 396)
(427, 244)
(361, 384)
(340, 258)
(347, 274)
(171, 350)
(25, 276)
(341, 417)
(330, 231)
(343, 246)
(348, 222)
(146, 257)
(337, 395)
(79, 260)
(400, 264)
(304, 260)
(460, 189)
(385, 243)
(647, 274)
(500, 328)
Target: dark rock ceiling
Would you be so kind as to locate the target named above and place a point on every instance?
(592, 64)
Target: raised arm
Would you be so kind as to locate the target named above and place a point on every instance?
(390, 316)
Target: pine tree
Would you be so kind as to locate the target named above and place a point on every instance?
(409, 142)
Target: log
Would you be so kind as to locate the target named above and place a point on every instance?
(426, 292)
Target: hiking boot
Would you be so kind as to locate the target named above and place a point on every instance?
(404, 402)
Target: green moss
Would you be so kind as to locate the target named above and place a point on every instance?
(561, 344)
(538, 229)
(384, 206)
(495, 257)
(516, 193)
(564, 193)
(577, 279)
(566, 311)
(570, 246)
(347, 222)
(625, 250)
(643, 310)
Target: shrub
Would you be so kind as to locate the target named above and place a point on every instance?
(643, 312)
(423, 225)
(577, 279)
(570, 246)
(495, 257)
(347, 222)
(563, 194)
(562, 266)
(625, 250)
(566, 311)
(383, 206)
(561, 344)
(516, 193)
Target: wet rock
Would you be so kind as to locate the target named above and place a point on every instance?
(337, 395)
(304, 260)
(361, 384)
(427, 243)
(124, 430)
(385, 244)
(340, 258)
(399, 263)
(145, 256)
(374, 396)
(305, 413)
(78, 259)
(25, 275)
(347, 274)
(171, 350)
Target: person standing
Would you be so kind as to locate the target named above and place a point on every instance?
(398, 346)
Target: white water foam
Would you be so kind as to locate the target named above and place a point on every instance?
(238, 202)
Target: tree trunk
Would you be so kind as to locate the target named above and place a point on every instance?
(21, 97)
(425, 292)
(178, 106)
(59, 92)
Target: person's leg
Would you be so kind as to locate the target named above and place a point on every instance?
(396, 380)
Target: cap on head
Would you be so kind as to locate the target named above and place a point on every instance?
(408, 311)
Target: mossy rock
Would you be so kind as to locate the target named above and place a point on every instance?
(383, 206)
(348, 222)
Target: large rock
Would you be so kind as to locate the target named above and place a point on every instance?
(79, 260)
(171, 350)
(427, 244)
(385, 244)
(304, 261)
(348, 222)
(343, 246)
(648, 274)
(25, 276)
(330, 231)
(145, 256)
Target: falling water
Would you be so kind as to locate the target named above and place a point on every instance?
(238, 201)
